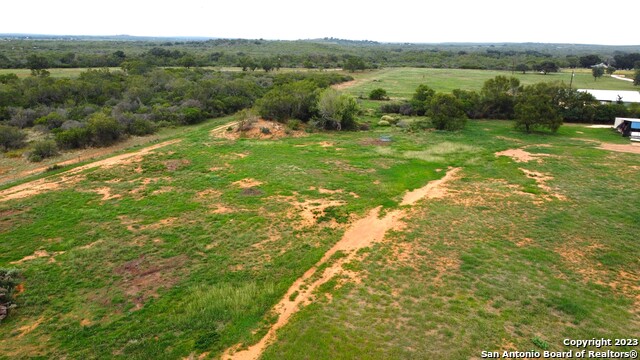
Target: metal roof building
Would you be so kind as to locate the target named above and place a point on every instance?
(613, 95)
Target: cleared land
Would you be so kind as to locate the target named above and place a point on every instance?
(184, 250)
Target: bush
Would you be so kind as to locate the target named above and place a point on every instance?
(390, 119)
(447, 112)
(51, 121)
(104, 130)
(11, 138)
(378, 94)
(9, 279)
(191, 115)
(337, 111)
(384, 123)
(141, 127)
(403, 108)
(421, 99)
(42, 150)
(294, 124)
(419, 125)
(296, 100)
(390, 108)
(74, 138)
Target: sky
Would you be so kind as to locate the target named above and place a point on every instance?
(418, 21)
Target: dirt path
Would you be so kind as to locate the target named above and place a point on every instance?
(361, 234)
(633, 148)
(71, 176)
(621, 78)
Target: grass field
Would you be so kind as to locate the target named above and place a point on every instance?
(183, 250)
(402, 82)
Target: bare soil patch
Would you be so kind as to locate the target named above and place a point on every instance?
(361, 234)
(73, 176)
(106, 193)
(247, 183)
(24, 330)
(261, 129)
(433, 190)
(521, 155)
(39, 254)
(541, 180)
(632, 148)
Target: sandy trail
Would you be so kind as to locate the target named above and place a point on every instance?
(72, 176)
(621, 78)
(361, 234)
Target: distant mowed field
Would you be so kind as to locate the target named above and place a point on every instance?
(402, 82)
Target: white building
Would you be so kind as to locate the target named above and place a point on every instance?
(611, 96)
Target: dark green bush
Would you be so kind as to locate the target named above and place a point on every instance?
(447, 112)
(378, 94)
(290, 101)
(43, 149)
(11, 138)
(74, 138)
(104, 130)
(141, 127)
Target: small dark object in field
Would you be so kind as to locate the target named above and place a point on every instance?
(252, 191)
(265, 130)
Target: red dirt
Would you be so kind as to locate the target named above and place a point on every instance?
(73, 176)
(361, 234)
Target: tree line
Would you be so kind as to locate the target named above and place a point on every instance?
(102, 106)
(537, 106)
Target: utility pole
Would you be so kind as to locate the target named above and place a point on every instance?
(573, 73)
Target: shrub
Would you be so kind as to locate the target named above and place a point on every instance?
(384, 123)
(265, 130)
(337, 111)
(421, 99)
(378, 94)
(104, 130)
(9, 279)
(51, 121)
(391, 119)
(23, 118)
(403, 108)
(74, 138)
(43, 149)
(447, 113)
(141, 127)
(296, 100)
(294, 124)
(419, 125)
(11, 138)
(191, 115)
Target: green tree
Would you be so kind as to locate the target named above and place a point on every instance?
(636, 76)
(546, 67)
(336, 111)
(378, 94)
(354, 63)
(447, 112)
(38, 65)
(597, 71)
(421, 99)
(523, 68)
(610, 70)
(104, 129)
(537, 107)
(498, 97)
